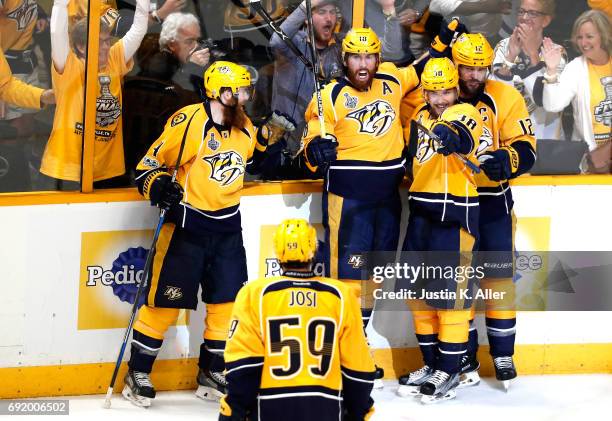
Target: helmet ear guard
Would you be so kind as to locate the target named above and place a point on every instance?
(295, 240)
(225, 74)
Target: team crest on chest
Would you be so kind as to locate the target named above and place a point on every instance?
(486, 140)
(425, 149)
(225, 167)
(213, 143)
(374, 118)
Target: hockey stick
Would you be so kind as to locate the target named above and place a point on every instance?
(474, 167)
(147, 267)
(256, 5)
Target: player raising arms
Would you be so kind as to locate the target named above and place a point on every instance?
(296, 348)
(361, 155)
(443, 217)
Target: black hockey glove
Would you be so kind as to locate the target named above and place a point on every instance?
(322, 150)
(164, 193)
(450, 141)
(441, 43)
(498, 165)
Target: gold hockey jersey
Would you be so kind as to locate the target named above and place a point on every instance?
(296, 351)
(17, 21)
(368, 130)
(506, 123)
(443, 186)
(211, 170)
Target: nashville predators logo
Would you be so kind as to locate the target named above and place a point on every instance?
(374, 118)
(486, 140)
(25, 14)
(225, 167)
(425, 148)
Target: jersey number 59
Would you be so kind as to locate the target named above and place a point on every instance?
(320, 334)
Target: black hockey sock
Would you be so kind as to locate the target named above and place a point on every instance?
(429, 348)
(209, 360)
(472, 348)
(450, 356)
(366, 314)
(501, 334)
(144, 350)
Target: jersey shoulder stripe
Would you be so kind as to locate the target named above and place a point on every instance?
(336, 88)
(489, 101)
(385, 76)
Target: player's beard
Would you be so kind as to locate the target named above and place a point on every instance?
(470, 90)
(234, 116)
(361, 84)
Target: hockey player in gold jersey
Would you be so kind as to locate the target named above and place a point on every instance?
(507, 150)
(443, 217)
(296, 348)
(201, 241)
(361, 155)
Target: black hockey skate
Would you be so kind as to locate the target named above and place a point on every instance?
(138, 388)
(439, 387)
(468, 376)
(212, 385)
(410, 384)
(504, 370)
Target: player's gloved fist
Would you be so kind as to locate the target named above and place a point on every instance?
(322, 150)
(443, 40)
(496, 164)
(274, 128)
(165, 193)
(450, 141)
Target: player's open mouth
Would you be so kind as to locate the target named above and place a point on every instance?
(362, 74)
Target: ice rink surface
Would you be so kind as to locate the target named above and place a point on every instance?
(558, 398)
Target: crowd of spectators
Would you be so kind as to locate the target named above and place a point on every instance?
(152, 55)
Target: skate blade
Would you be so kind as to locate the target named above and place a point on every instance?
(469, 379)
(139, 401)
(429, 399)
(506, 384)
(208, 393)
(405, 391)
(378, 384)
